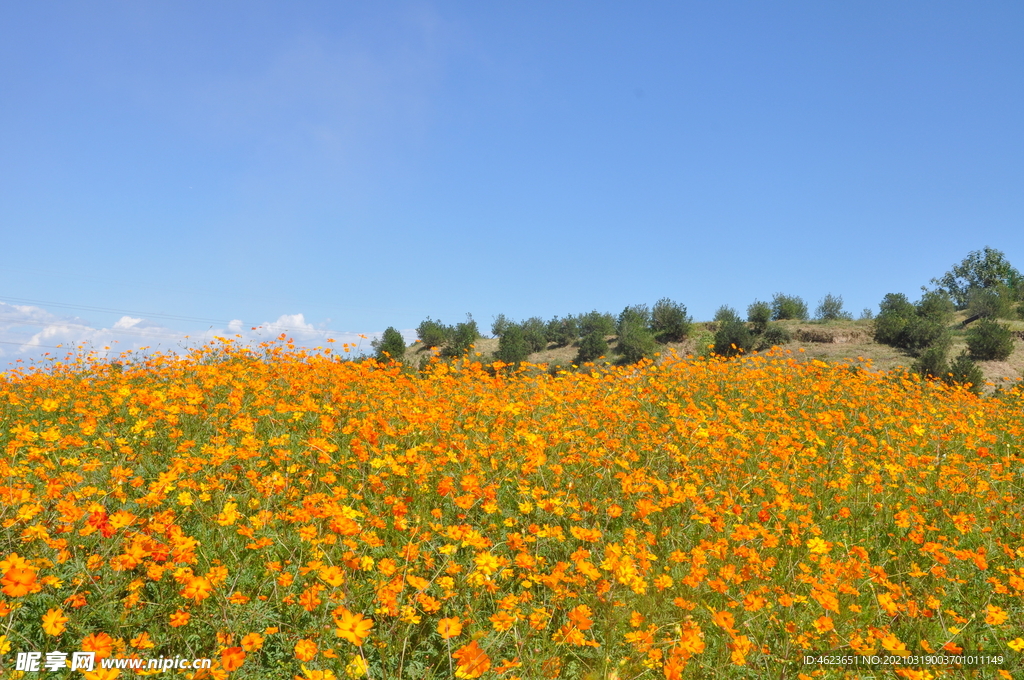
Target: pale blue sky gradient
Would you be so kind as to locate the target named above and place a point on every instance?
(371, 164)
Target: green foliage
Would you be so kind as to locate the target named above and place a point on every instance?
(963, 371)
(986, 268)
(596, 322)
(990, 303)
(759, 313)
(562, 332)
(773, 335)
(732, 338)
(512, 347)
(788, 307)
(634, 315)
(988, 340)
(866, 314)
(390, 345)
(669, 321)
(500, 325)
(913, 327)
(932, 362)
(830, 308)
(592, 347)
(726, 314)
(535, 331)
(462, 338)
(433, 333)
(636, 342)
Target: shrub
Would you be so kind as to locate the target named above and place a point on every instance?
(988, 340)
(535, 332)
(921, 333)
(936, 306)
(866, 314)
(932, 362)
(788, 307)
(500, 325)
(989, 303)
(759, 313)
(963, 371)
(726, 314)
(669, 321)
(830, 308)
(596, 322)
(635, 342)
(592, 347)
(638, 315)
(732, 338)
(512, 347)
(773, 335)
(433, 333)
(562, 332)
(462, 338)
(913, 327)
(390, 345)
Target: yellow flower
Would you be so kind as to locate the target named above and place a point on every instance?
(1016, 645)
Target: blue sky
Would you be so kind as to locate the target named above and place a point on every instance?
(337, 168)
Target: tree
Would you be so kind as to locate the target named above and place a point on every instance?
(462, 338)
(788, 307)
(989, 340)
(986, 268)
(390, 345)
(512, 347)
(759, 313)
(726, 314)
(634, 314)
(635, 341)
(500, 325)
(592, 347)
(596, 322)
(732, 338)
(669, 321)
(830, 308)
(433, 333)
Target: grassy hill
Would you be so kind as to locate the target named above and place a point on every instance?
(833, 341)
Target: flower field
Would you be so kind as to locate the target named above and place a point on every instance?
(293, 515)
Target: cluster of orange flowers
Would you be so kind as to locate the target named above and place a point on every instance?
(291, 514)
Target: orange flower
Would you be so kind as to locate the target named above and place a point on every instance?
(19, 581)
(581, 617)
(449, 628)
(232, 658)
(142, 641)
(54, 622)
(198, 588)
(305, 650)
(995, 616)
(252, 642)
(101, 643)
(472, 661)
(179, 619)
(353, 627)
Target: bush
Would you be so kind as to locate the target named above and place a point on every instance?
(989, 303)
(726, 314)
(963, 371)
(932, 362)
(390, 345)
(636, 342)
(462, 338)
(669, 321)
(637, 315)
(866, 314)
(562, 332)
(936, 306)
(500, 325)
(773, 335)
(830, 308)
(593, 346)
(788, 307)
(596, 322)
(913, 327)
(732, 338)
(512, 347)
(759, 313)
(988, 340)
(535, 332)
(433, 333)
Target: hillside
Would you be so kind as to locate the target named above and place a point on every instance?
(834, 341)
